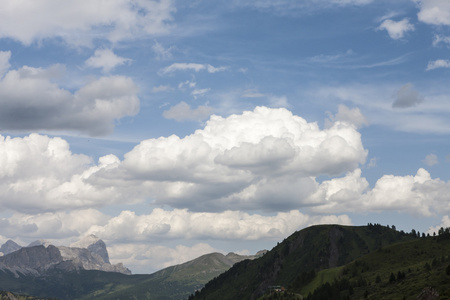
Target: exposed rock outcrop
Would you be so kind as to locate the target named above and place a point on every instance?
(39, 259)
(95, 245)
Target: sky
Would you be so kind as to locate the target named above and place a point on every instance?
(171, 129)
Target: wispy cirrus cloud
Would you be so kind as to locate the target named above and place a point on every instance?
(191, 67)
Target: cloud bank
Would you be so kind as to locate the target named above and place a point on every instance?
(246, 177)
(262, 160)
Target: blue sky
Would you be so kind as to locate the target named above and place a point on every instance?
(171, 129)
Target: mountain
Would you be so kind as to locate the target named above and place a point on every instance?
(95, 245)
(41, 256)
(417, 269)
(62, 281)
(202, 269)
(300, 256)
(9, 247)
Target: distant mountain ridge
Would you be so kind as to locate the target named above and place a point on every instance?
(175, 282)
(40, 257)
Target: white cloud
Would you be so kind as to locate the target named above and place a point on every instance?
(431, 160)
(440, 63)
(106, 60)
(182, 224)
(417, 195)
(350, 116)
(189, 83)
(191, 67)
(161, 88)
(396, 30)
(261, 160)
(30, 100)
(4, 62)
(79, 21)
(40, 174)
(407, 97)
(183, 112)
(161, 52)
(51, 226)
(445, 222)
(437, 39)
(340, 194)
(243, 160)
(199, 92)
(212, 69)
(240, 160)
(435, 12)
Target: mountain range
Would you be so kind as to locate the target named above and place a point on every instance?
(342, 262)
(40, 257)
(83, 271)
(318, 262)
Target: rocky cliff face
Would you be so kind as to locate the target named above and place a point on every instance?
(39, 259)
(31, 260)
(95, 245)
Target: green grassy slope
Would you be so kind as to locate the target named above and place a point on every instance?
(11, 296)
(288, 264)
(400, 271)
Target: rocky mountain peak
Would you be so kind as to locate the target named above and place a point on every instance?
(9, 247)
(41, 256)
(93, 244)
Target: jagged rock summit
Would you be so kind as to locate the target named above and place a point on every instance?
(41, 257)
(93, 244)
(9, 247)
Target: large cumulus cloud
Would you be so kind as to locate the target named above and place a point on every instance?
(266, 160)
(31, 100)
(41, 174)
(261, 159)
(418, 194)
